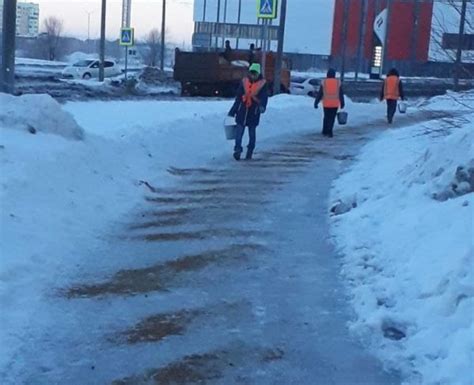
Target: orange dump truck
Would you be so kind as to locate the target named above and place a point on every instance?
(212, 74)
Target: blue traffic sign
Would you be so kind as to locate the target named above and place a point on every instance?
(126, 37)
(267, 9)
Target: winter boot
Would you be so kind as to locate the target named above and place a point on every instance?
(249, 154)
(237, 155)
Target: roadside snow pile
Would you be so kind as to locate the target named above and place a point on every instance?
(78, 56)
(38, 113)
(408, 254)
(452, 101)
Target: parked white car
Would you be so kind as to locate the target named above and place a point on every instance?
(304, 86)
(88, 69)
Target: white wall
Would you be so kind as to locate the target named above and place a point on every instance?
(308, 28)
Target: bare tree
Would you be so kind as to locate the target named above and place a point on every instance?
(446, 28)
(53, 28)
(153, 42)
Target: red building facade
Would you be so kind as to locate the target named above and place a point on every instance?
(355, 43)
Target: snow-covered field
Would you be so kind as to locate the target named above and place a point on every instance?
(407, 246)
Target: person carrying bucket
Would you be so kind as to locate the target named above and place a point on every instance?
(332, 95)
(392, 90)
(250, 103)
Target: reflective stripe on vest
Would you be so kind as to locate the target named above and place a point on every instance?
(391, 88)
(331, 93)
(251, 91)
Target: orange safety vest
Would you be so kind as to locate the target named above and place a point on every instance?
(391, 90)
(251, 91)
(331, 93)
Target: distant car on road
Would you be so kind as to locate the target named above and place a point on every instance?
(304, 86)
(88, 69)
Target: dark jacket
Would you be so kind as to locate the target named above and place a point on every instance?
(393, 72)
(331, 74)
(249, 116)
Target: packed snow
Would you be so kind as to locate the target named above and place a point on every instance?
(38, 113)
(405, 232)
(61, 196)
(71, 174)
(22, 61)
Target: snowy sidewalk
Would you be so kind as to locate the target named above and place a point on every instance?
(224, 273)
(227, 275)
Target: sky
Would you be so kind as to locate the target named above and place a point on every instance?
(146, 15)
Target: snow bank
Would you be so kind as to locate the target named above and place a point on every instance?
(78, 56)
(408, 256)
(38, 62)
(37, 113)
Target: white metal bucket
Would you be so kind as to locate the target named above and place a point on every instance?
(230, 128)
(402, 107)
(230, 131)
(342, 117)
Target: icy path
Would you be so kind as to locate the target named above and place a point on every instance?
(226, 278)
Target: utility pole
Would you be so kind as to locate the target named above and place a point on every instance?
(225, 20)
(387, 37)
(204, 8)
(239, 15)
(126, 23)
(264, 46)
(89, 13)
(344, 38)
(416, 31)
(279, 57)
(126, 13)
(458, 63)
(362, 37)
(7, 74)
(102, 40)
(163, 28)
(217, 22)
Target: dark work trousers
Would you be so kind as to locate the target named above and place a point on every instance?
(328, 121)
(391, 108)
(252, 139)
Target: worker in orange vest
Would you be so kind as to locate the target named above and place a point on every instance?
(250, 102)
(392, 90)
(332, 95)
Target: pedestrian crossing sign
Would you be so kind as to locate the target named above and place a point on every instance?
(267, 9)
(126, 37)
